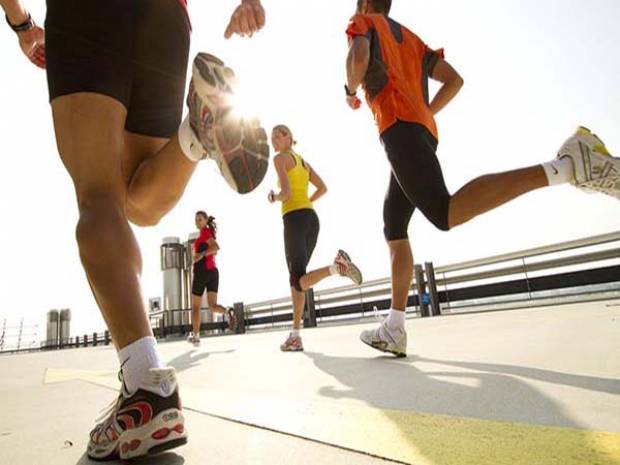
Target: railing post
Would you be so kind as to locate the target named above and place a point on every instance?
(106, 337)
(421, 288)
(239, 311)
(309, 311)
(85, 340)
(95, 341)
(432, 289)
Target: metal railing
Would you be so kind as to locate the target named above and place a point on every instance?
(585, 269)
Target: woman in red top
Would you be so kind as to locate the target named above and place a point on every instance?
(206, 275)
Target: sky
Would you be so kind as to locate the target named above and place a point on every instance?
(533, 72)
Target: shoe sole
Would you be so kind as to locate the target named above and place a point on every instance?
(291, 350)
(354, 270)
(243, 166)
(166, 431)
(384, 349)
(603, 186)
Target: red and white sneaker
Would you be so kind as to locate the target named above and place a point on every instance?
(347, 268)
(238, 145)
(143, 423)
(292, 344)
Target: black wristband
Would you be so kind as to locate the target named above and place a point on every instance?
(25, 26)
(348, 91)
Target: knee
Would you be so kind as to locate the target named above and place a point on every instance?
(100, 217)
(395, 230)
(296, 281)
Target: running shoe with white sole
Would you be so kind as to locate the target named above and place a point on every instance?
(347, 268)
(386, 340)
(143, 423)
(595, 169)
(292, 344)
(238, 145)
(194, 339)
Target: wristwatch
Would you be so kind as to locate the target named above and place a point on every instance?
(25, 26)
(348, 91)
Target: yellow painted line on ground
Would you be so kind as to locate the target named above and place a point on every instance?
(406, 436)
(103, 378)
(416, 438)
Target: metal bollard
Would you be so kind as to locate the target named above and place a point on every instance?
(432, 289)
(421, 288)
(239, 310)
(309, 310)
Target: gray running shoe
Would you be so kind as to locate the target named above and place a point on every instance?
(596, 170)
(238, 145)
(386, 340)
(347, 268)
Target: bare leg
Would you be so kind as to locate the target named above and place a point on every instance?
(402, 272)
(89, 134)
(491, 191)
(196, 302)
(314, 277)
(156, 173)
(213, 305)
(299, 300)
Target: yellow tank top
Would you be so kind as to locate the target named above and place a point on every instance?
(298, 178)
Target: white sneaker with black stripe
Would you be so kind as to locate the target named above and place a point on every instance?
(595, 169)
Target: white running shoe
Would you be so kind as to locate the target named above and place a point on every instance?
(194, 339)
(595, 169)
(386, 340)
(143, 423)
(239, 146)
(292, 344)
(347, 268)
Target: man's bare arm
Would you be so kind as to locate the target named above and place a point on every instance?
(357, 62)
(452, 83)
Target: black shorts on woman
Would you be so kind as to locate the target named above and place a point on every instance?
(416, 180)
(135, 52)
(301, 230)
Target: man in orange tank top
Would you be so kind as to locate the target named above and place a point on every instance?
(393, 66)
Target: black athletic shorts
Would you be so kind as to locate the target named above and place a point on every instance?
(416, 180)
(301, 230)
(205, 279)
(134, 51)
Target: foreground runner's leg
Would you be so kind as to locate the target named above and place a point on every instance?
(89, 129)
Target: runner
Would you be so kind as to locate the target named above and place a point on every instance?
(206, 276)
(393, 65)
(116, 74)
(301, 228)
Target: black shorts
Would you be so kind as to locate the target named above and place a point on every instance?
(205, 279)
(416, 180)
(134, 51)
(301, 230)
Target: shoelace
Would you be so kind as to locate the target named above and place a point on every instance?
(105, 412)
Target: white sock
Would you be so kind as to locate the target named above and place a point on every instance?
(137, 359)
(295, 333)
(395, 319)
(187, 140)
(559, 171)
(333, 269)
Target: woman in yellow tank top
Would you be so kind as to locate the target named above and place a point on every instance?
(301, 227)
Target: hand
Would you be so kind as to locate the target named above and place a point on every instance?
(354, 102)
(32, 43)
(271, 196)
(248, 18)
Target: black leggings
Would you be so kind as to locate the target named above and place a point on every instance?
(416, 180)
(301, 230)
